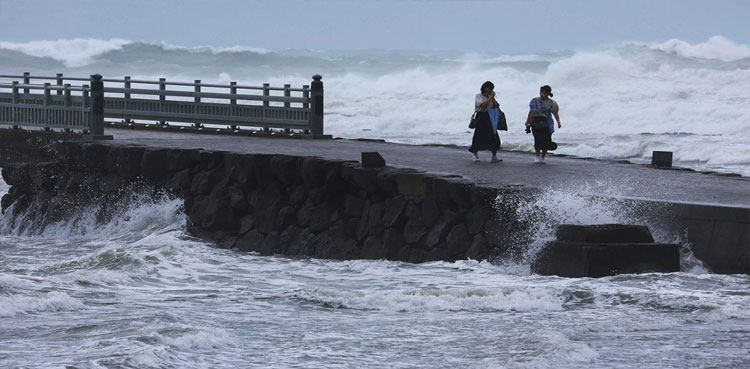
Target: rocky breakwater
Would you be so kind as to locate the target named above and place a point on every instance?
(276, 204)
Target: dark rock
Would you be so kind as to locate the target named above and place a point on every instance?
(287, 216)
(284, 168)
(206, 160)
(495, 230)
(205, 181)
(478, 249)
(373, 248)
(353, 206)
(387, 181)
(153, 167)
(271, 244)
(411, 185)
(177, 160)
(417, 255)
(441, 191)
(458, 241)
(460, 193)
(129, 162)
(180, 183)
(476, 217)
(267, 211)
(438, 255)
(351, 227)
(237, 200)
(333, 180)
(94, 157)
(604, 233)
(317, 196)
(313, 173)
(440, 229)
(415, 227)
(348, 251)
(218, 215)
(430, 209)
(253, 241)
(246, 224)
(295, 241)
(372, 221)
(393, 215)
(394, 242)
(320, 217)
(366, 179)
(297, 195)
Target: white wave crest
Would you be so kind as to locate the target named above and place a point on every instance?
(72, 52)
(448, 299)
(53, 301)
(716, 47)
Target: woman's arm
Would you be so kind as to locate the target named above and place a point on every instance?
(488, 100)
(528, 119)
(557, 117)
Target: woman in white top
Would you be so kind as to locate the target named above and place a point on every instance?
(485, 137)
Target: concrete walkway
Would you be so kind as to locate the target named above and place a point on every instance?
(563, 173)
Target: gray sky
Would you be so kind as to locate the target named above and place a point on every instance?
(511, 26)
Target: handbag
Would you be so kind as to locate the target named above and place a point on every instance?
(502, 124)
(473, 121)
(552, 146)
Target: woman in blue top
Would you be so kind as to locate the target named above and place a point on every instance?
(539, 120)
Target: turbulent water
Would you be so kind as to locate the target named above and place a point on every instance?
(138, 293)
(619, 102)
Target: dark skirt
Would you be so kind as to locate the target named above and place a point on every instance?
(542, 138)
(485, 138)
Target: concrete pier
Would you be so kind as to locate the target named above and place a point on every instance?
(712, 209)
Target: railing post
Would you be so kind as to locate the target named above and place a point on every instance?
(97, 105)
(68, 102)
(16, 100)
(59, 82)
(197, 90)
(233, 101)
(266, 103)
(315, 118)
(16, 95)
(287, 105)
(47, 104)
(26, 81)
(306, 95)
(126, 85)
(162, 97)
(86, 103)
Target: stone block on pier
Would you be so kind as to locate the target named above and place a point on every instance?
(605, 250)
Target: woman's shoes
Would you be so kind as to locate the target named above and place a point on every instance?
(474, 158)
(495, 159)
(537, 160)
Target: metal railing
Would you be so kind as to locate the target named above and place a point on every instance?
(69, 108)
(197, 103)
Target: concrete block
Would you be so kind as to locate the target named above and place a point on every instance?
(661, 159)
(372, 159)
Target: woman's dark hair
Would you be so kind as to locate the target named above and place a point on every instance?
(547, 89)
(485, 85)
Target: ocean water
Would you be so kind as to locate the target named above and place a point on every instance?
(137, 292)
(617, 102)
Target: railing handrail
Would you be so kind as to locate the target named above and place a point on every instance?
(168, 83)
(44, 87)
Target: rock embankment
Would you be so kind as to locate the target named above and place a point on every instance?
(278, 204)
